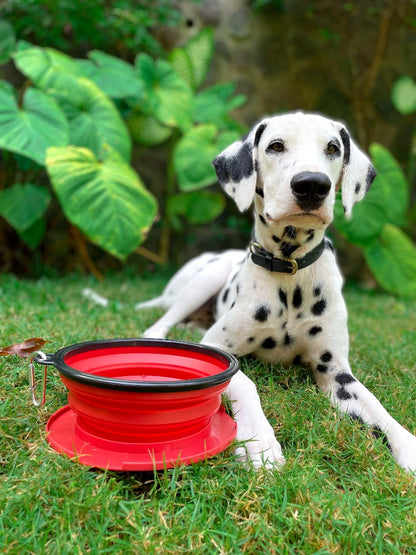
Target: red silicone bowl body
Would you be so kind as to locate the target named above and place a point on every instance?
(138, 404)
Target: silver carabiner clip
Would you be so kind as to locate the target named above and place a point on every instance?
(33, 384)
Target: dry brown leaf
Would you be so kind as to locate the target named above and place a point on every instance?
(24, 349)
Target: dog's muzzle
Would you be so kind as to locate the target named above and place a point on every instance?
(310, 189)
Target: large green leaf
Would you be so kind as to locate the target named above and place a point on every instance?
(106, 200)
(32, 128)
(46, 67)
(166, 96)
(147, 130)
(23, 205)
(192, 61)
(403, 95)
(213, 104)
(392, 259)
(112, 75)
(7, 41)
(94, 121)
(194, 153)
(198, 207)
(386, 201)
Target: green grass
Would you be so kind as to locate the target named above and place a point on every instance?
(339, 492)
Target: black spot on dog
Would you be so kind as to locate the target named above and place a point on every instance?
(297, 297)
(262, 313)
(345, 378)
(326, 356)
(315, 330)
(316, 291)
(288, 340)
(260, 192)
(291, 231)
(283, 326)
(251, 339)
(297, 361)
(299, 315)
(269, 343)
(310, 236)
(378, 433)
(262, 219)
(356, 417)
(283, 297)
(276, 239)
(322, 368)
(225, 296)
(280, 313)
(288, 248)
(357, 188)
(343, 394)
(371, 174)
(347, 145)
(259, 133)
(319, 307)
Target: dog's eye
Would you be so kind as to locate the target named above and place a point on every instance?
(332, 148)
(276, 146)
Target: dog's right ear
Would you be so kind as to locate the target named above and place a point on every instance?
(236, 168)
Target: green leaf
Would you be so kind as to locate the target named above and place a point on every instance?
(193, 155)
(199, 207)
(113, 76)
(94, 121)
(392, 259)
(46, 67)
(23, 205)
(403, 95)
(106, 200)
(200, 49)
(181, 63)
(213, 104)
(31, 129)
(167, 97)
(146, 130)
(7, 41)
(34, 234)
(386, 201)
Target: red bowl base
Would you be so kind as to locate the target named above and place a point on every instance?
(65, 436)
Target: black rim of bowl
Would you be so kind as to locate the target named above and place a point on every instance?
(57, 360)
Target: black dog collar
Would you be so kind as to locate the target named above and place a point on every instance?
(265, 259)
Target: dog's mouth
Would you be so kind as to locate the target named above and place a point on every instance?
(307, 220)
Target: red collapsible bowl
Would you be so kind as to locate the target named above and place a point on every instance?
(141, 404)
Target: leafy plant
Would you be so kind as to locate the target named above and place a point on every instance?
(70, 119)
(98, 190)
(377, 226)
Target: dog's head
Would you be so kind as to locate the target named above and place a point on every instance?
(292, 165)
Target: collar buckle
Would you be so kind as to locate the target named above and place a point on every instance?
(294, 264)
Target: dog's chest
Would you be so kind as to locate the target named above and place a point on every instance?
(271, 314)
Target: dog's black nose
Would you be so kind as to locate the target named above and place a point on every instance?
(310, 189)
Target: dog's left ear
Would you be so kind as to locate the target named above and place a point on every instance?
(236, 168)
(357, 174)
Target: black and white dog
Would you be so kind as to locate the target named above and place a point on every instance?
(281, 299)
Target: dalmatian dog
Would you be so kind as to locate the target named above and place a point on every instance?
(281, 299)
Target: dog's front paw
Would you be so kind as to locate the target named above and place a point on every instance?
(258, 447)
(405, 453)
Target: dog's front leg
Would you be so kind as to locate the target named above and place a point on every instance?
(352, 397)
(258, 444)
